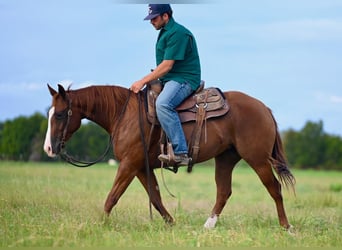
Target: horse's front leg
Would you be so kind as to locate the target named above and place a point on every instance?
(123, 178)
(151, 186)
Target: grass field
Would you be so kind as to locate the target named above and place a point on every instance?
(60, 205)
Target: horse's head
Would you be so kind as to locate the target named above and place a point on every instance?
(63, 121)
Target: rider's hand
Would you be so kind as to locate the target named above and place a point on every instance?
(137, 86)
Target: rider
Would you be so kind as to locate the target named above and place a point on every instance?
(178, 69)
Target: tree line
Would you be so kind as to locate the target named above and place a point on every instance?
(311, 147)
(22, 139)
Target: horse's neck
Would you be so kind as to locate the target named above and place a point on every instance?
(101, 104)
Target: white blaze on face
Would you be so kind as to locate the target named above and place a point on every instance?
(47, 143)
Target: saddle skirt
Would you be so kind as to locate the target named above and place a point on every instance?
(210, 100)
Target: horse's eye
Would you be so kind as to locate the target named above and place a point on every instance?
(59, 115)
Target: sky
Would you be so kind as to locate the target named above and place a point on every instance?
(288, 54)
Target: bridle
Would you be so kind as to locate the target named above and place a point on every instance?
(68, 113)
(63, 153)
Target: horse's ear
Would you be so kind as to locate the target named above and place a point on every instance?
(52, 91)
(61, 91)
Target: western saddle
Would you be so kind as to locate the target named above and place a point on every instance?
(204, 104)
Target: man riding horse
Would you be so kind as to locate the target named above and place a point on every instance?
(178, 69)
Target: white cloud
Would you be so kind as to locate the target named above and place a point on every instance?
(74, 85)
(65, 83)
(85, 84)
(306, 29)
(34, 86)
(21, 87)
(327, 98)
(295, 30)
(336, 99)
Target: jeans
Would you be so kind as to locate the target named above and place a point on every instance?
(173, 94)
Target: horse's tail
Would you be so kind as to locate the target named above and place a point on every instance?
(279, 162)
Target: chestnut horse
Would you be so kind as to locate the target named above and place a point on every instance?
(248, 131)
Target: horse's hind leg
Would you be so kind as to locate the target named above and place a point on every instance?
(152, 190)
(273, 186)
(224, 164)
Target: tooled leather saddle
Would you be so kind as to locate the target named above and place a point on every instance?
(203, 104)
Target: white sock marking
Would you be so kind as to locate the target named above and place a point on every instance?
(211, 222)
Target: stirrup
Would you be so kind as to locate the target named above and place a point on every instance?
(168, 164)
(173, 169)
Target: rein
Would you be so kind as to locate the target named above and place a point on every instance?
(83, 164)
(146, 149)
(142, 135)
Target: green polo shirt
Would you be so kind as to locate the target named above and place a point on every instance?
(175, 42)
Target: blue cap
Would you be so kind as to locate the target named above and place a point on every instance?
(155, 10)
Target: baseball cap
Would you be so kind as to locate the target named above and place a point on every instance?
(155, 10)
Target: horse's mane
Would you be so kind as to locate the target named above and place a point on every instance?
(99, 98)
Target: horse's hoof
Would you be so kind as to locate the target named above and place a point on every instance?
(169, 220)
(211, 222)
(291, 230)
(106, 213)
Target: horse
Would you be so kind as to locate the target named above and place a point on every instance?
(248, 131)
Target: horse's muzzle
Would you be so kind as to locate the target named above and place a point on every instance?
(54, 149)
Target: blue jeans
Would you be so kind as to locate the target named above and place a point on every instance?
(173, 94)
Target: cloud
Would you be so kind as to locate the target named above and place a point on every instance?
(65, 83)
(34, 86)
(288, 31)
(20, 87)
(76, 85)
(327, 98)
(336, 99)
(306, 29)
(24, 88)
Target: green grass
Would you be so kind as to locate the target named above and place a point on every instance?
(60, 205)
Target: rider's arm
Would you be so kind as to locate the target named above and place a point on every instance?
(162, 69)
